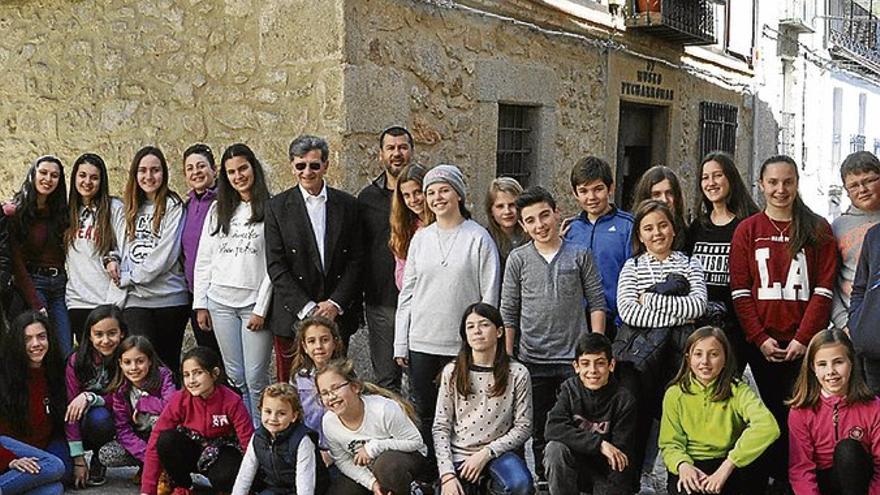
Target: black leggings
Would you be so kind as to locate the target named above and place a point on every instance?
(851, 472)
(164, 327)
(179, 455)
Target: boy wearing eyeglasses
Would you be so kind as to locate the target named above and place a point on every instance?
(313, 251)
(860, 174)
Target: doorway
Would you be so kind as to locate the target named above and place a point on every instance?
(641, 143)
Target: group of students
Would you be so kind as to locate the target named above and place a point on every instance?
(575, 334)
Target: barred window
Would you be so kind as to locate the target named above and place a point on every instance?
(515, 157)
(717, 127)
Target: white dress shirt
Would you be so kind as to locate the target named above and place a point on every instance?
(316, 206)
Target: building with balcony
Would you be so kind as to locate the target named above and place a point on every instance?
(817, 80)
(511, 87)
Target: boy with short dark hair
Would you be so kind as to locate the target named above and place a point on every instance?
(591, 429)
(601, 228)
(542, 301)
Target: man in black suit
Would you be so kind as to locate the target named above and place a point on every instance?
(313, 251)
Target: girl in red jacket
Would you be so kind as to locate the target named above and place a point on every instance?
(204, 429)
(783, 264)
(834, 423)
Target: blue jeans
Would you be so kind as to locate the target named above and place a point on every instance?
(97, 427)
(50, 290)
(507, 475)
(246, 353)
(46, 482)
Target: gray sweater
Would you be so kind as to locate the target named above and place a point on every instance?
(439, 283)
(545, 301)
(849, 231)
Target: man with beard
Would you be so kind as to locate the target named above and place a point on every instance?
(380, 292)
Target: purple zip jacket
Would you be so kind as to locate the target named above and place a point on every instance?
(150, 404)
(193, 219)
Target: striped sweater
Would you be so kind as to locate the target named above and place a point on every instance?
(657, 310)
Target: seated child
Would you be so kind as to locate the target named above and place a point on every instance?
(713, 427)
(371, 433)
(484, 412)
(283, 457)
(591, 429)
(834, 422)
(204, 429)
(142, 388)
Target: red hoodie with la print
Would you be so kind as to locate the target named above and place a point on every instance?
(777, 296)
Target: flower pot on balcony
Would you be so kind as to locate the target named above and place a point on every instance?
(648, 6)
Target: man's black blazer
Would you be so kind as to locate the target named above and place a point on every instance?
(294, 263)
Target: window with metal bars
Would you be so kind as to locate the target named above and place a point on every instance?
(717, 127)
(515, 142)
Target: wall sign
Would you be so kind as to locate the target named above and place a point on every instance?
(648, 84)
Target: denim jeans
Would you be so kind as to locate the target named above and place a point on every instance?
(50, 290)
(46, 482)
(97, 428)
(506, 475)
(246, 353)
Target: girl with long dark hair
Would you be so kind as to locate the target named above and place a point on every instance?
(722, 201)
(33, 450)
(158, 303)
(232, 288)
(39, 220)
(783, 264)
(484, 411)
(89, 240)
(89, 374)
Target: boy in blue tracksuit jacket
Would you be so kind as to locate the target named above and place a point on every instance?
(601, 228)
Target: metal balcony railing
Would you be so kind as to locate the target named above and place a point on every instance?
(853, 35)
(689, 22)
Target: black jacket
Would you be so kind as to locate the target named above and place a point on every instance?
(294, 264)
(277, 459)
(374, 205)
(582, 418)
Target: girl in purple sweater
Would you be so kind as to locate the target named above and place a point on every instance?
(89, 373)
(318, 342)
(141, 390)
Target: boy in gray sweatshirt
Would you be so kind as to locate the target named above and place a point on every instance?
(542, 301)
(860, 174)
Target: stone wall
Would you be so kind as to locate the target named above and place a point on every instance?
(443, 70)
(114, 75)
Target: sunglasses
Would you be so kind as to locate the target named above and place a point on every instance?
(312, 165)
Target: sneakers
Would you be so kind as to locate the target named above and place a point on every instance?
(97, 472)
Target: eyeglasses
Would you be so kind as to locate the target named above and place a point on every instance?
(333, 390)
(312, 165)
(866, 183)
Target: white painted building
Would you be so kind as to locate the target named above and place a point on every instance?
(817, 88)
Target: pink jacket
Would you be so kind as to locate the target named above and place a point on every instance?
(813, 434)
(151, 404)
(220, 415)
